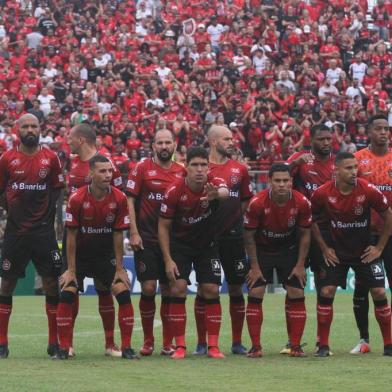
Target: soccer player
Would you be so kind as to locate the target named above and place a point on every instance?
(375, 165)
(82, 142)
(146, 187)
(230, 237)
(31, 178)
(96, 216)
(346, 203)
(186, 233)
(277, 235)
(310, 170)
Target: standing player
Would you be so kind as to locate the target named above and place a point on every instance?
(146, 188)
(346, 203)
(230, 237)
(31, 178)
(82, 142)
(186, 232)
(311, 169)
(375, 165)
(96, 216)
(277, 235)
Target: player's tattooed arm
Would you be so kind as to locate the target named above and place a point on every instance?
(68, 278)
(372, 253)
(135, 240)
(254, 273)
(304, 242)
(164, 226)
(121, 273)
(329, 254)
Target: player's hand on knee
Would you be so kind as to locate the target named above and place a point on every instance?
(370, 254)
(253, 276)
(300, 273)
(172, 272)
(68, 278)
(121, 276)
(330, 257)
(136, 242)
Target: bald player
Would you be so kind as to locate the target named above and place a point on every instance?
(31, 179)
(229, 220)
(82, 141)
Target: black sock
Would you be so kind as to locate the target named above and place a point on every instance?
(361, 310)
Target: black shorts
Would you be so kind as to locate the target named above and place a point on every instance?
(205, 261)
(283, 262)
(387, 258)
(41, 249)
(370, 275)
(102, 270)
(316, 257)
(149, 264)
(233, 258)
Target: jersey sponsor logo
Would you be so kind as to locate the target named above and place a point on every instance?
(358, 210)
(19, 171)
(127, 221)
(95, 230)
(28, 187)
(6, 265)
(117, 181)
(234, 180)
(56, 258)
(377, 270)
(349, 225)
(152, 173)
(184, 198)
(68, 217)
(163, 208)
(360, 198)
(131, 184)
(332, 199)
(235, 170)
(275, 236)
(110, 218)
(246, 220)
(43, 173)
(384, 188)
(86, 205)
(155, 196)
(216, 267)
(239, 266)
(191, 220)
(45, 161)
(61, 178)
(250, 188)
(235, 194)
(364, 162)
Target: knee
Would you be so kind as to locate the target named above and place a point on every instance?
(328, 292)
(294, 293)
(378, 293)
(179, 289)
(235, 290)
(209, 291)
(256, 292)
(149, 288)
(50, 286)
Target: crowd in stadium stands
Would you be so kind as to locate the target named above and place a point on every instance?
(267, 69)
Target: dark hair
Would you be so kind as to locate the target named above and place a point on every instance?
(196, 152)
(97, 158)
(86, 131)
(278, 167)
(319, 128)
(341, 156)
(375, 118)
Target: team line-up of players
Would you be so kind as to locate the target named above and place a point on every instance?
(319, 209)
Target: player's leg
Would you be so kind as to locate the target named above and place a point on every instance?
(125, 318)
(235, 267)
(15, 256)
(167, 335)
(200, 318)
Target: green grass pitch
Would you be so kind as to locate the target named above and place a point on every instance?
(28, 368)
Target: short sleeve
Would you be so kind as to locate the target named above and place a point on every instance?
(316, 202)
(116, 179)
(219, 182)
(57, 177)
(169, 205)
(122, 217)
(135, 181)
(253, 214)
(3, 173)
(304, 213)
(72, 212)
(376, 199)
(246, 187)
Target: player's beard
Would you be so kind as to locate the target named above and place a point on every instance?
(227, 153)
(30, 140)
(323, 153)
(165, 155)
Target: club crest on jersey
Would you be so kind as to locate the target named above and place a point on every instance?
(15, 162)
(43, 173)
(234, 180)
(358, 210)
(6, 265)
(332, 199)
(204, 203)
(110, 218)
(360, 198)
(291, 221)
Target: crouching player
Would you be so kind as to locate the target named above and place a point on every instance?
(277, 235)
(186, 231)
(96, 216)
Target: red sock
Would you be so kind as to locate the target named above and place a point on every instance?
(237, 315)
(324, 319)
(51, 303)
(286, 310)
(213, 311)
(254, 319)
(200, 317)
(147, 314)
(106, 310)
(383, 316)
(75, 311)
(178, 319)
(167, 336)
(296, 319)
(125, 318)
(64, 319)
(5, 313)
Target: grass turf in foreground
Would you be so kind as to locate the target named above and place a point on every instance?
(29, 368)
